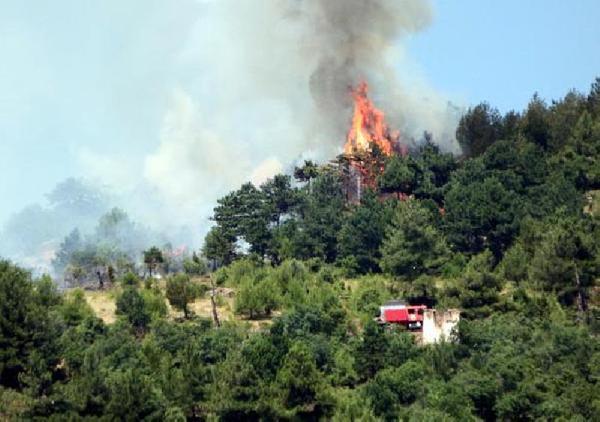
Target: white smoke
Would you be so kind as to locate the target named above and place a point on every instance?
(252, 87)
(272, 85)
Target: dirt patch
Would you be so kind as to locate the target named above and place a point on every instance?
(103, 304)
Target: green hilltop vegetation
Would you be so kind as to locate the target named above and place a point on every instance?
(509, 233)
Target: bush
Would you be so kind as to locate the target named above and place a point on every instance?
(392, 387)
(130, 280)
(349, 266)
(256, 298)
(75, 308)
(515, 264)
(370, 294)
(289, 271)
(455, 266)
(327, 274)
(155, 304)
(180, 292)
(195, 266)
(132, 305)
(240, 270)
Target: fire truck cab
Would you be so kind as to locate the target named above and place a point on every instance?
(397, 312)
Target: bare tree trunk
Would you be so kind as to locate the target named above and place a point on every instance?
(581, 303)
(100, 281)
(213, 294)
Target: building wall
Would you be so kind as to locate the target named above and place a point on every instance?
(438, 325)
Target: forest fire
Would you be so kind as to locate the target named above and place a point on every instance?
(368, 143)
(368, 126)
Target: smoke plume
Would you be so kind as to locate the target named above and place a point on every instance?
(248, 88)
(273, 86)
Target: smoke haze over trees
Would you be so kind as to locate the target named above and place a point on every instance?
(225, 70)
(220, 254)
(508, 234)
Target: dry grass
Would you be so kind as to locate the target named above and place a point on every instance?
(203, 308)
(103, 304)
(592, 206)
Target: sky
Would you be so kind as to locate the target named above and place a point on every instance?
(87, 88)
(504, 51)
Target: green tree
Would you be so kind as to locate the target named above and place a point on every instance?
(307, 173)
(219, 246)
(480, 287)
(235, 392)
(152, 258)
(28, 334)
(363, 231)
(401, 175)
(299, 382)
(280, 198)
(132, 396)
(256, 297)
(482, 210)
(536, 122)
(180, 292)
(564, 115)
(131, 304)
(567, 258)
(69, 245)
(593, 98)
(344, 370)
(413, 244)
(154, 303)
(195, 265)
(583, 151)
(322, 218)
(393, 387)
(74, 308)
(434, 172)
(478, 129)
(371, 350)
(130, 279)
(244, 215)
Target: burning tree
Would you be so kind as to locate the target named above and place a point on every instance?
(369, 144)
(368, 126)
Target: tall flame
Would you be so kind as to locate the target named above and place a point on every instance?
(368, 125)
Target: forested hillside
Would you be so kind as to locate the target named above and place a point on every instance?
(509, 233)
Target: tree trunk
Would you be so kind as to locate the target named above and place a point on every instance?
(100, 281)
(581, 303)
(214, 302)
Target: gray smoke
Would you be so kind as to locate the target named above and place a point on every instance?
(353, 40)
(245, 88)
(273, 85)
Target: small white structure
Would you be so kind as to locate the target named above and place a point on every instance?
(439, 325)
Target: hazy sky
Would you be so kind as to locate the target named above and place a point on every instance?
(85, 85)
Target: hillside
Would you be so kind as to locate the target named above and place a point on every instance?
(508, 233)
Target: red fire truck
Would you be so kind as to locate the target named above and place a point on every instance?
(397, 312)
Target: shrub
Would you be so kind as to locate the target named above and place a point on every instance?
(130, 280)
(75, 308)
(180, 292)
(155, 304)
(257, 298)
(132, 305)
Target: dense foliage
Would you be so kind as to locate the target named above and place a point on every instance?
(509, 233)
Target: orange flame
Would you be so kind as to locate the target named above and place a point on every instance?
(368, 125)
